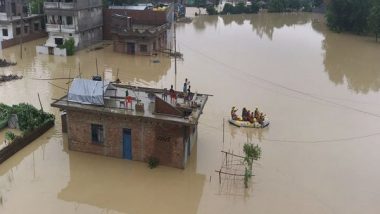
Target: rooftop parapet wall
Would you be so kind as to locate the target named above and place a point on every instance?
(143, 17)
(75, 5)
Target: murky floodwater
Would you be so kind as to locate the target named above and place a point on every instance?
(320, 154)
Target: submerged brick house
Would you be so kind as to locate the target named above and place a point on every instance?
(140, 30)
(150, 127)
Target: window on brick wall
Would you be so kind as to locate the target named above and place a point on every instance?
(5, 32)
(36, 26)
(18, 30)
(26, 29)
(97, 134)
(143, 48)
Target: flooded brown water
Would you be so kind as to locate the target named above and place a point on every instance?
(320, 153)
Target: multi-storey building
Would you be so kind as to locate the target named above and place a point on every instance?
(20, 22)
(141, 29)
(81, 20)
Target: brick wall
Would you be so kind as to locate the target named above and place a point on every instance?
(150, 138)
(163, 107)
(16, 41)
(146, 17)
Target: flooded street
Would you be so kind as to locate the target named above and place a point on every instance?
(320, 154)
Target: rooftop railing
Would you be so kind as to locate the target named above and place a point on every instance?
(67, 5)
(53, 27)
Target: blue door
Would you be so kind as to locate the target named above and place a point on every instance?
(127, 144)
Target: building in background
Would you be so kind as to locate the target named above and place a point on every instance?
(20, 22)
(141, 29)
(81, 20)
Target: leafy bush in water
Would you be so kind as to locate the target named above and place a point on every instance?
(30, 118)
(278, 6)
(4, 115)
(251, 153)
(4, 111)
(153, 162)
(69, 45)
(10, 136)
(211, 10)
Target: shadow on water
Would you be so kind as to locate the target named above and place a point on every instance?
(351, 60)
(131, 187)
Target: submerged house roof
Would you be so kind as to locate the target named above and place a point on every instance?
(91, 96)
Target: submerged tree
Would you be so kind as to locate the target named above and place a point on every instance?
(348, 15)
(211, 10)
(252, 152)
(374, 19)
(36, 6)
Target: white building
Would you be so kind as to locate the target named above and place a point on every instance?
(78, 19)
(17, 20)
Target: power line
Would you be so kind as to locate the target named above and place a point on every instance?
(334, 140)
(282, 86)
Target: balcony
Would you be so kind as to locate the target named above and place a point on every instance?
(68, 28)
(53, 28)
(3, 17)
(51, 5)
(66, 5)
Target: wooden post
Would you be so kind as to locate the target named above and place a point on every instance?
(39, 99)
(175, 56)
(80, 75)
(104, 105)
(68, 87)
(21, 30)
(97, 71)
(223, 131)
(226, 159)
(220, 178)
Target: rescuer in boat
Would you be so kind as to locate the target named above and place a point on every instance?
(233, 113)
(256, 114)
(251, 118)
(261, 119)
(244, 114)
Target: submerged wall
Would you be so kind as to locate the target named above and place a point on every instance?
(150, 138)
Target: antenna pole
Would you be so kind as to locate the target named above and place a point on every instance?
(175, 54)
(80, 75)
(223, 130)
(97, 71)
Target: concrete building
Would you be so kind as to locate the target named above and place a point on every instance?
(19, 22)
(150, 126)
(77, 19)
(141, 29)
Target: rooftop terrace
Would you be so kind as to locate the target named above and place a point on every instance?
(185, 112)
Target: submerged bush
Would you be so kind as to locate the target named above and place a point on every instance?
(69, 45)
(10, 136)
(29, 118)
(252, 152)
(153, 162)
(211, 10)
